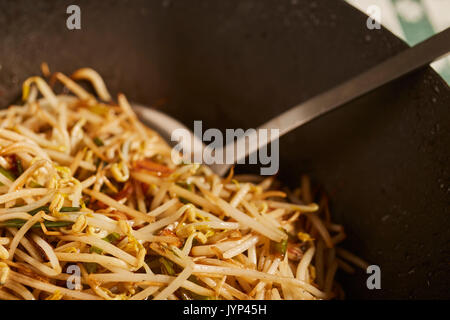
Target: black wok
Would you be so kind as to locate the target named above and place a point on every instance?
(383, 159)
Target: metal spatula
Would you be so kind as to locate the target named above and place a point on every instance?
(409, 60)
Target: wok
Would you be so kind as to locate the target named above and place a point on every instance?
(383, 159)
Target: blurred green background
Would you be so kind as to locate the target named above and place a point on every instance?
(413, 21)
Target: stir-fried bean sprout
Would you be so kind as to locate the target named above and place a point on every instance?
(84, 184)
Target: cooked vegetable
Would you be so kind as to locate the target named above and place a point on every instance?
(98, 142)
(91, 267)
(17, 223)
(7, 173)
(46, 209)
(167, 267)
(189, 295)
(85, 184)
(279, 248)
(18, 165)
(112, 237)
(96, 250)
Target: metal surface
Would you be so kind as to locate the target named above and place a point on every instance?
(391, 69)
(166, 125)
(236, 64)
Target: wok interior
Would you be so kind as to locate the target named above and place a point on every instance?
(383, 159)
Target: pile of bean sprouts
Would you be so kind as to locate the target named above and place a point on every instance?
(92, 207)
